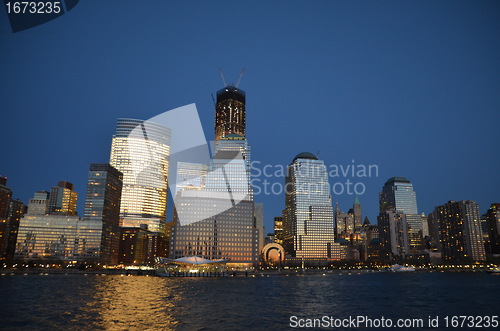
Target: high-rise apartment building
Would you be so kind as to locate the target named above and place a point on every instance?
(308, 221)
(460, 233)
(493, 226)
(140, 150)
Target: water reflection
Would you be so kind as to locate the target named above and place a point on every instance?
(127, 302)
(59, 302)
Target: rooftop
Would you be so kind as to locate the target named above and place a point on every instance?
(305, 155)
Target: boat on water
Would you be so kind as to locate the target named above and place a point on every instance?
(495, 270)
(400, 268)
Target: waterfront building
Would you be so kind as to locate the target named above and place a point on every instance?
(308, 219)
(139, 246)
(393, 228)
(10, 212)
(218, 218)
(460, 236)
(229, 234)
(62, 199)
(399, 197)
(101, 218)
(140, 150)
(49, 238)
(492, 218)
(16, 210)
(5, 196)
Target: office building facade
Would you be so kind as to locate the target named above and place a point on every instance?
(140, 150)
(102, 213)
(62, 199)
(399, 197)
(308, 220)
(218, 219)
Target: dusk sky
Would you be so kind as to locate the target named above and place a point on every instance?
(410, 86)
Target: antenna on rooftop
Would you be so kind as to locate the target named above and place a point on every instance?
(222, 76)
(239, 78)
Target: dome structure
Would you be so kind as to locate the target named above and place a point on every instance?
(305, 155)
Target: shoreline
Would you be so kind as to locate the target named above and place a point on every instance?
(260, 273)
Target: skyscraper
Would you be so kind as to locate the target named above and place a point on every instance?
(62, 199)
(102, 212)
(230, 112)
(140, 150)
(344, 223)
(308, 221)
(191, 176)
(399, 197)
(259, 224)
(398, 194)
(394, 236)
(219, 220)
(460, 232)
(358, 214)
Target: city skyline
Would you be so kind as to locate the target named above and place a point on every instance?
(406, 109)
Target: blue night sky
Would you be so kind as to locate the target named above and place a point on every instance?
(410, 86)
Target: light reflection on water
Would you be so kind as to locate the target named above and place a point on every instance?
(92, 302)
(134, 302)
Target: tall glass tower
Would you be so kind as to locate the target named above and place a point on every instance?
(230, 113)
(398, 194)
(102, 212)
(140, 150)
(217, 220)
(308, 222)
